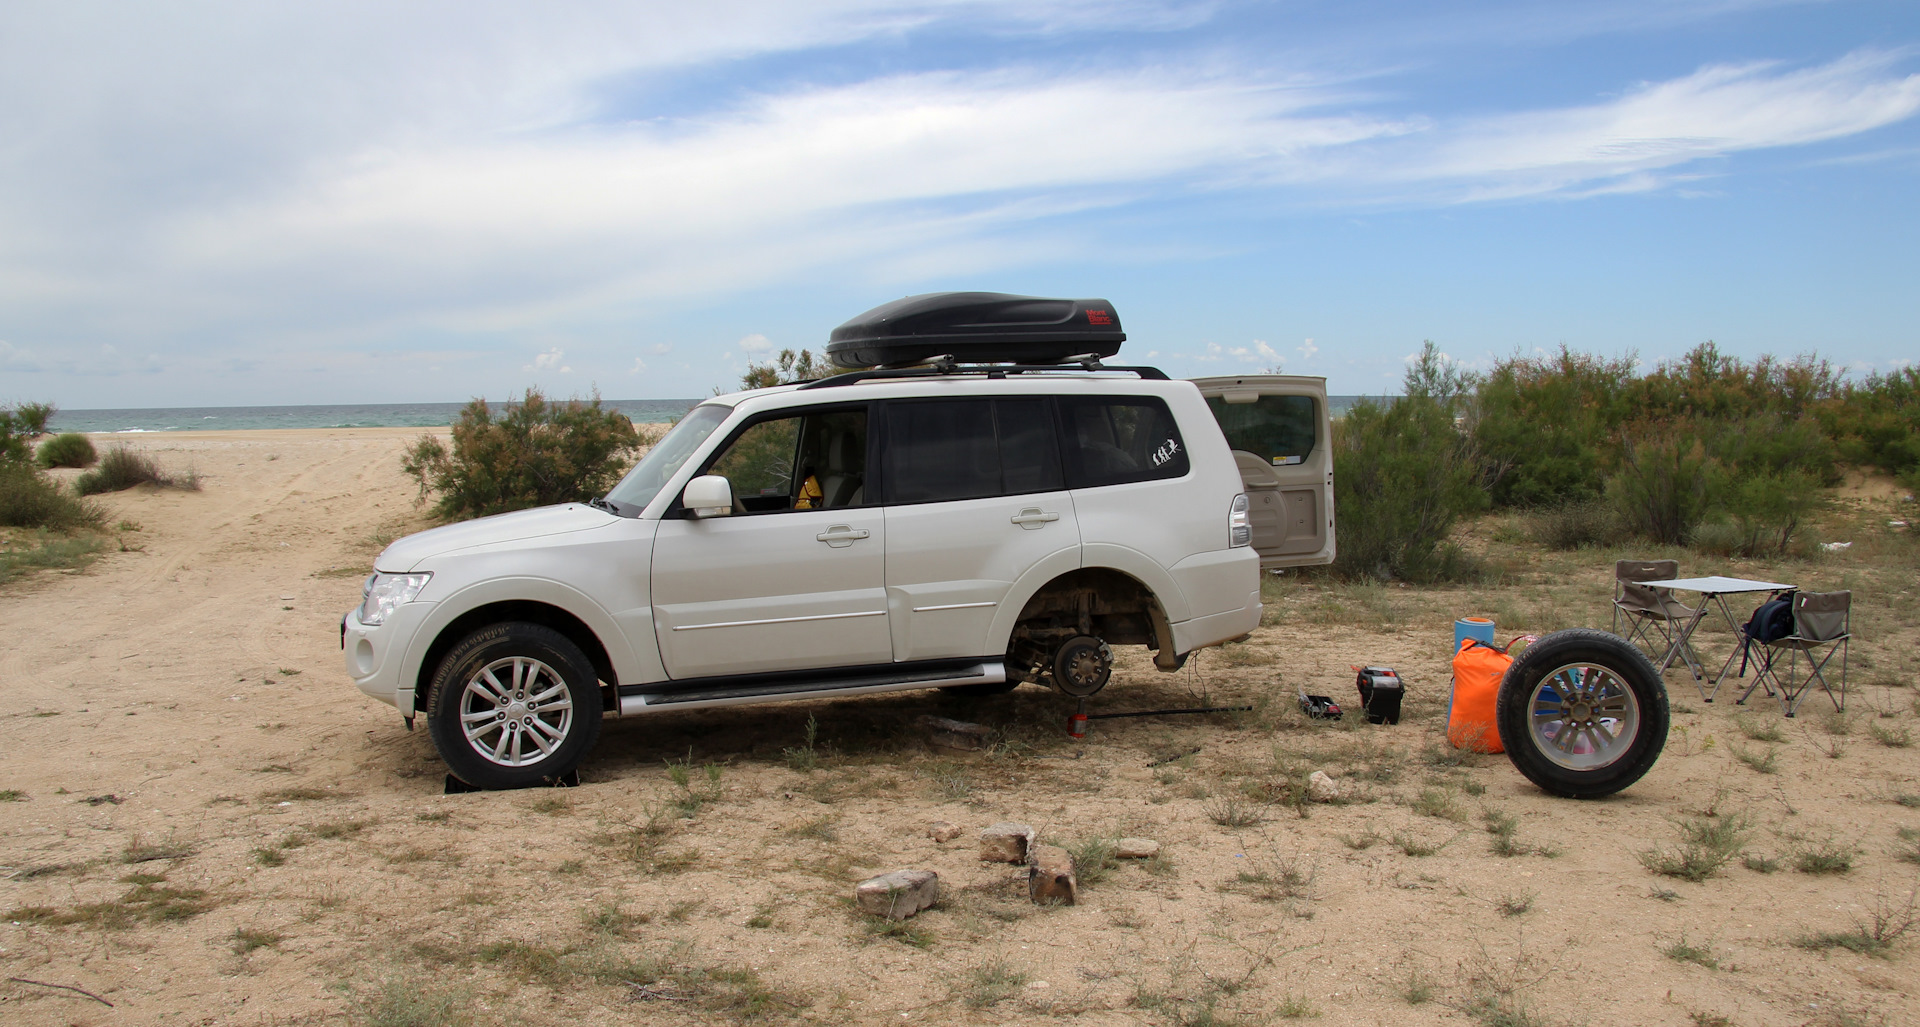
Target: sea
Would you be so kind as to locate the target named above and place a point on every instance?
(359, 415)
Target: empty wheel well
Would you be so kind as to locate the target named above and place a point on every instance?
(1099, 601)
(519, 610)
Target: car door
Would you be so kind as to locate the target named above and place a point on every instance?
(974, 499)
(1280, 432)
(794, 578)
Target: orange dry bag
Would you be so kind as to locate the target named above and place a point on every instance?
(1478, 669)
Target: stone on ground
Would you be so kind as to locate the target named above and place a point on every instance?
(957, 735)
(898, 895)
(1321, 787)
(1050, 881)
(943, 832)
(1006, 843)
(1135, 848)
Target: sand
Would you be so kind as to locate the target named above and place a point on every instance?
(211, 825)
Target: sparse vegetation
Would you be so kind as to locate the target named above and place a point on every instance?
(1825, 857)
(1887, 924)
(121, 468)
(991, 983)
(1764, 762)
(1706, 845)
(1683, 951)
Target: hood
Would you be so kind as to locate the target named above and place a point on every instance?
(407, 553)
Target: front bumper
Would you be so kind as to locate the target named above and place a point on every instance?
(376, 655)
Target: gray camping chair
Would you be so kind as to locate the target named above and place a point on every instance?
(1651, 613)
(1822, 625)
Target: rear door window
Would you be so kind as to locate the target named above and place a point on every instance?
(1277, 429)
(1112, 440)
(939, 450)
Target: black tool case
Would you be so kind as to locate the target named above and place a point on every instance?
(1380, 692)
(976, 328)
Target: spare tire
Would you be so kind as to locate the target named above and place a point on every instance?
(1582, 713)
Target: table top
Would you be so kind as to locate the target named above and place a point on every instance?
(1717, 585)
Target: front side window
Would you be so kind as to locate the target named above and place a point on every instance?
(939, 450)
(813, 461)
(1277, 429)
(1112, 440)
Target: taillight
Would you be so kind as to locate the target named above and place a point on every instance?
(1239, 525)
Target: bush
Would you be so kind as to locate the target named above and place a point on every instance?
(1665, 484)
(1577, 525)
(30, 499)
(786, 369)
(1542, 426)
(19, 426)
(69, 450)
(537, 453)
(1406, 474)
(121, 469)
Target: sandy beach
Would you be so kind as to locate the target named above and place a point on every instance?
(209, 824)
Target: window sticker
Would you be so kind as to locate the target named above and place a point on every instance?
(1165, 452)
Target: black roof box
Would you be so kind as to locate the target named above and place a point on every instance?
(976, 328)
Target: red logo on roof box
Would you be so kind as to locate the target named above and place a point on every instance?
(1099, 317)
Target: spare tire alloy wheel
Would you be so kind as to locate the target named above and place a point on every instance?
(1582, 713)
(514, 705)
(1082, 665)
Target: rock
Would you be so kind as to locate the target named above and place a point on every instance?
(1321, 787)
(957, 735)
(898, 895)
(1135, 848)
(1050, 880)
(1006, 843)
(943, 832)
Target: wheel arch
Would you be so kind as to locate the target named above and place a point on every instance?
(532, 611)
(1123, 610)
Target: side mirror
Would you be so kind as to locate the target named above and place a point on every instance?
(710, 495)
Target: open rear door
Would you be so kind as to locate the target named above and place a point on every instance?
(1281, 435)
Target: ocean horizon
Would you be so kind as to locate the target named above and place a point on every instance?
(139, 420)
(136, 420)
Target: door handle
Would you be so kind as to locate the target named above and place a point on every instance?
(1032, 518)
(840, 536)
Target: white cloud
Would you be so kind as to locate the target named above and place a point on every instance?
(661, 349)
(1307, 350)
(1259, 352)
(551, 360)
(755, 343)
(639, 365)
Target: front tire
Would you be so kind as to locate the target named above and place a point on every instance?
(513, 705)
(1582, 713)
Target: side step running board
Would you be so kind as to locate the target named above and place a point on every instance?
(983, 673)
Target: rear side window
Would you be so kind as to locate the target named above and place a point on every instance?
(1277, 429)
(1111, 440)
(939, 450)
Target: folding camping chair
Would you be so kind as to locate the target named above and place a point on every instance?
(1821, 621)
(1651, 612)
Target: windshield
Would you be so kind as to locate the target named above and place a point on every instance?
(650, 475)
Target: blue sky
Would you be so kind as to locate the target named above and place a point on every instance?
(239, 203)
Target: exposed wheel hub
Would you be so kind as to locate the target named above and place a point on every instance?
(1082, 665)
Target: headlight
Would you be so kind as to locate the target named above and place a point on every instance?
(386, 591)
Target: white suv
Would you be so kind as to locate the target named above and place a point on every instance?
(942, 526)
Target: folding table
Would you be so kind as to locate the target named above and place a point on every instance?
(1713, 592)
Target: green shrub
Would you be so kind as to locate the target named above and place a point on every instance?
(1579, 524)
(787, 368)
(121, 469)
(1543, 425)
(69, 450)
(19, 426)
(1665, 484)
(30, 499)
(1406, 474)
(536, 453)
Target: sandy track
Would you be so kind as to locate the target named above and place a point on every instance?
(160, 677)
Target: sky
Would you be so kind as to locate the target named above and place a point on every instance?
(235, 203)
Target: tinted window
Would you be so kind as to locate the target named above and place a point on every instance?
(941, 449)
(1277, 429)
(1115, 439)
(1029, 451)
(967, 449)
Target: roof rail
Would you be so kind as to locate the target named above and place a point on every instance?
(946, 365)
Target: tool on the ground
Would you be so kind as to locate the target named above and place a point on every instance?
(1319, 707)
(1077, 722)
(1380, 692)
